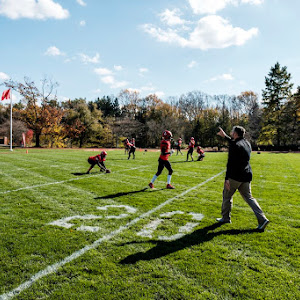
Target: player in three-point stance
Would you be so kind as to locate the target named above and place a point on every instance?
(163, 161)
(200, 152)
(98, 160)
(191, 149)
(179, 143)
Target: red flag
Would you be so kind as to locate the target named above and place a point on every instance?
(5, 95)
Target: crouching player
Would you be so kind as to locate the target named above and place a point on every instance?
(98, 160)
(163, 161)
(200, 152)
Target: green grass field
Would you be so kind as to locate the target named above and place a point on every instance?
(105, 236)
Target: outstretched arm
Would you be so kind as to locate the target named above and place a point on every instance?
(223, 134)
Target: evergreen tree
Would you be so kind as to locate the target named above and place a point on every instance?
(291, 118)
(275, 95)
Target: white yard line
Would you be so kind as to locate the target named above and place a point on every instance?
(59, 182)
(53, 268)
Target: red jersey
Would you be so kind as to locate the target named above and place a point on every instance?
(199, 150)
(165, 146)
(97, 158)
(179, 142)
(191, 144)
(133, 142)
(128, 144)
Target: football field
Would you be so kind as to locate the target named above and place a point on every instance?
(68, 235)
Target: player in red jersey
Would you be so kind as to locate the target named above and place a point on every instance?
(98, 160)
(131, 148)
(125, 143)
(191, 149)
(200, 152)
(132, 141)
(163, 161)
(179, 143)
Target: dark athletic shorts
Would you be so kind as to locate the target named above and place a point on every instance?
(164, 164)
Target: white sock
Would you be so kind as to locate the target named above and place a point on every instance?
(169, 179)
(154, 178)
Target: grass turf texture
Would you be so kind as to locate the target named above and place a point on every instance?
(210, 262)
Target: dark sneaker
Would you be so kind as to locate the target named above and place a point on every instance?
(151, 186)
(263, 225)
(221, 220)
(170, 187)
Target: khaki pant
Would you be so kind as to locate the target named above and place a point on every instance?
(245, 191)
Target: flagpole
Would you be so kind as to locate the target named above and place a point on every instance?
(11, 120)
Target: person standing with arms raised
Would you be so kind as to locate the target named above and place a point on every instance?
(239, 176)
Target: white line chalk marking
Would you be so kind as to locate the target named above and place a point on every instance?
(59, 182)
(53, 268)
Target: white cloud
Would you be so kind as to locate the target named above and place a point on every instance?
(216, 32)
(4, 76)
(159, 94)
(53, 51)
(118, 68)
(212, 6)
(143, 70)
(81, 2)
(103, 71)
(133, 90)
(87, 59)
(107, 77)
(210, 32)
(208, 6)
(32, 9)
(171, 17)
(254, 2)
(225, 77)
(118, 84)
(82, 23)
(192, 64)
(147, 88)
(169, 35)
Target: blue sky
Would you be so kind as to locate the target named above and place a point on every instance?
(168, 47)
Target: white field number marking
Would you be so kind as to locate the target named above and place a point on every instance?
(149, 229)
(64, 222)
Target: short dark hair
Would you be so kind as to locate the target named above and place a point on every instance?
(239, 130)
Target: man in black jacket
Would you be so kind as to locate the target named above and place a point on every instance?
(239, 176)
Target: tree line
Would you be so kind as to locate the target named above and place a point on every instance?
(106, 121)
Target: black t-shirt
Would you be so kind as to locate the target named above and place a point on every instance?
(238, 165)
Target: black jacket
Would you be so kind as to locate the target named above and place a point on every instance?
(238, 165)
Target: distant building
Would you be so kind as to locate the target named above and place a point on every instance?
(3, 140)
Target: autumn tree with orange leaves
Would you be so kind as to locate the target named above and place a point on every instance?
(36, 112)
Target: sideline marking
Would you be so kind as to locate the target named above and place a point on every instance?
(53, 268)
(58, 182)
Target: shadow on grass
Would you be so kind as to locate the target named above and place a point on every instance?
(127, 193)
(79, 174)
(164, 248)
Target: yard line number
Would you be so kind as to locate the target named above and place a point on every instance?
(125, 210)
